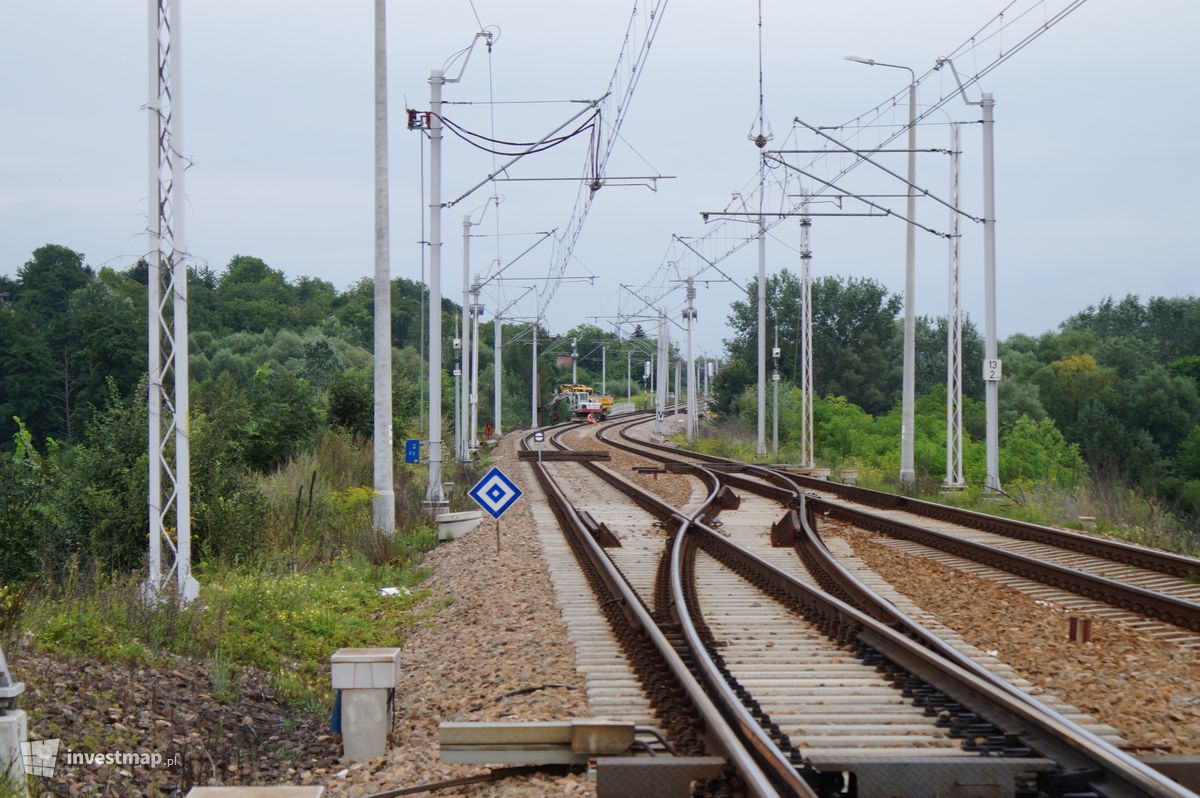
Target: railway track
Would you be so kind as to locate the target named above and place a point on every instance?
(1156, 591)
(808, 686)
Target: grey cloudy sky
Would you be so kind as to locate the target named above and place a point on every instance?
(1095, 166)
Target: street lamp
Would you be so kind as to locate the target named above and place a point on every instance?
(907, 398)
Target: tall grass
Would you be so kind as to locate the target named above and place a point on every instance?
(319, 504)
(307, 585)
(263, 615)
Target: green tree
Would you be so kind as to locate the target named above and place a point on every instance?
(285, 416)
(1067, 384)
(1163, 404)
(47, 280)
(26, 512)
(100, 338)
(1036, 451)
(931, 355)
(252, 296)
(102, 495)
(352, 402)
(734, 376)
(27, 371)
(856, 340)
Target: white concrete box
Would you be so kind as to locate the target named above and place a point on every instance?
(452, 526)
(364, 668)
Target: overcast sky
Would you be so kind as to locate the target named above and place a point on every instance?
(1094, 158)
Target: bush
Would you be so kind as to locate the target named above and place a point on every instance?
(25, 513)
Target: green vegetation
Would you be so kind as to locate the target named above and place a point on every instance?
(280, 429)
(1101, 418)
(281, 470)
(284, 621)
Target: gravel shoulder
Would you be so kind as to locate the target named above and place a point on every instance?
(1144, 687)
(495, 648)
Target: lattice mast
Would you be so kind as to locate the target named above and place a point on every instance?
(170, 551)
(954, 435)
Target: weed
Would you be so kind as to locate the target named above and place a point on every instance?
(221, 676)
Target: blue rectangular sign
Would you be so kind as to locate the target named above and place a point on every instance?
(412, 451)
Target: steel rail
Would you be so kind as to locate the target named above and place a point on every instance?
(716, 727)
(1165, 562)
(923, 653)
(1151, 603)
(1179, 565)
(774, 763)
(1170, 609)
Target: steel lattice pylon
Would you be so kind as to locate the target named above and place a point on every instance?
(806, 357)
(954, 434)
(169, 449)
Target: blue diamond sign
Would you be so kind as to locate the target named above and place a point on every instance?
(495, 493)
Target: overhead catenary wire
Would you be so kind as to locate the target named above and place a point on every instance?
(532, 147)
(634, 51)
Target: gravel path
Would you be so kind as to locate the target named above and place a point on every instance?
(1142, 686)
(496, 630)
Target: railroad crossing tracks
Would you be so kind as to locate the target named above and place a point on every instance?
(702, 601)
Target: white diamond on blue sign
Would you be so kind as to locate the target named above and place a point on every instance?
(495, 493)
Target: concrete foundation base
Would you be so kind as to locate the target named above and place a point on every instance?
(365, 723)
(14, 730)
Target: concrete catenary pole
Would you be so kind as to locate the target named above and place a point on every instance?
(690, 315)
(498, 343)
(775, 394)
(458, 406)
(762, 336)
(464, 401)
(908, 474)
(433, 492)
(603, 369)
(629, 376)
(663, 375)
(574, 361)
(991, 358)
(476, 312)
(383, 505)
(678, 385)
(533, 381)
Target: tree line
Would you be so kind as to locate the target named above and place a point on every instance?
(275, 364)
(1118, 382)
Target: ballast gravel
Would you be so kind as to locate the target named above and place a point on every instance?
(494, 647)
(1144, 686)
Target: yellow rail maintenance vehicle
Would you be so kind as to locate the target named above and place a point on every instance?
(586, 404)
